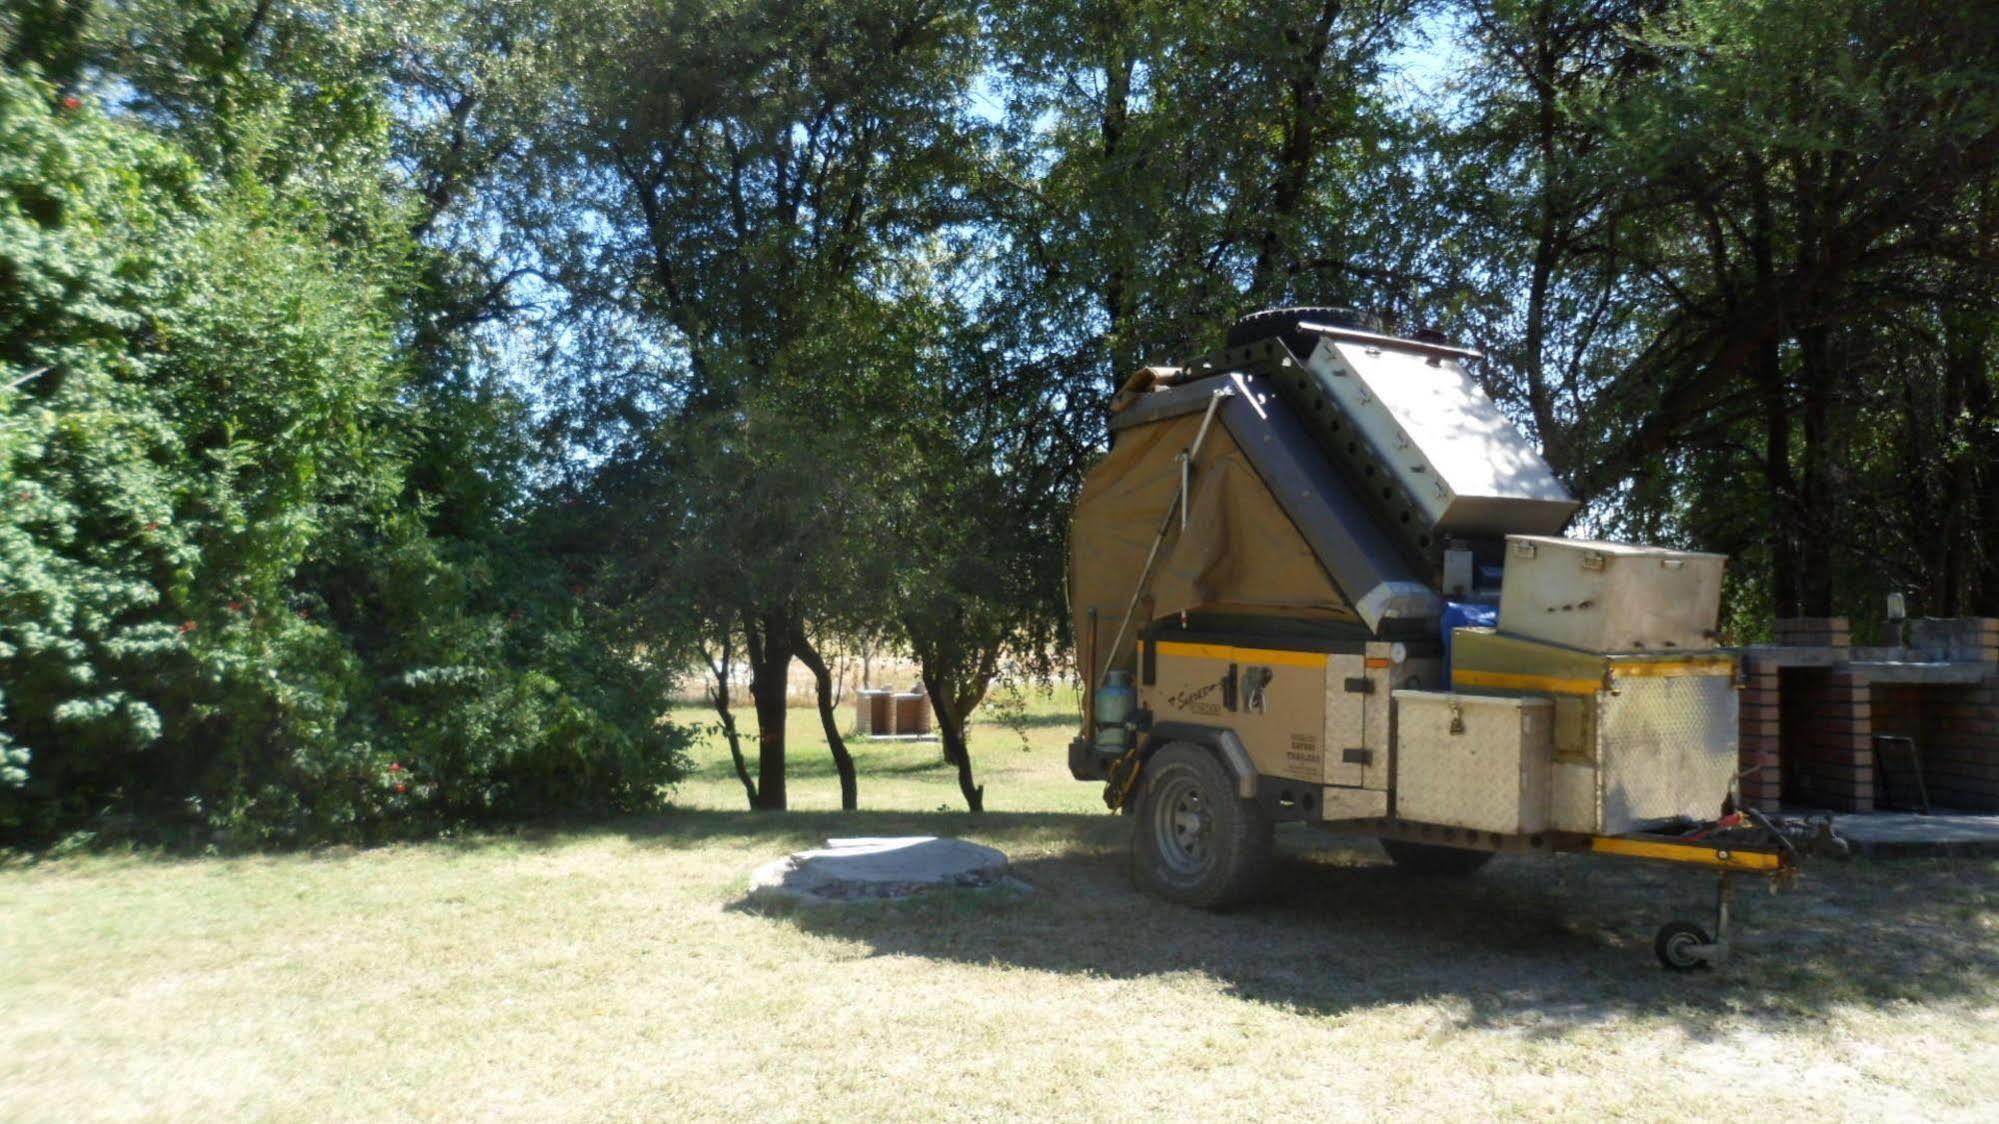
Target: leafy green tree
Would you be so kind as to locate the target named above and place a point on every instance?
(1168, 167)
(979, 522)
(732, 181)
(269, 567)
(1724, 216)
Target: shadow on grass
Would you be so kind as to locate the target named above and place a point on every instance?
(1538, 946)
(1035, 720)
(673, 827)
(821, 768)
(773, 832)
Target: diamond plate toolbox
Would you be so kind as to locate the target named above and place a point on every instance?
(1666, 748)
(1474, 761)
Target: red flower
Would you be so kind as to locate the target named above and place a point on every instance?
(187, 627)
(72, 102)
(395, 766)
(402, 788)
(235, 606)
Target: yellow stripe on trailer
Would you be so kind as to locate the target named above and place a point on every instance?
(1510, 681)
(1242, 655)
(1699, 854)
(1671, 669)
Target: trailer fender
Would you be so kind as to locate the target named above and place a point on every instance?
(1222, 742)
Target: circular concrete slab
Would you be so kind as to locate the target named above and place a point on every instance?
(848, 870)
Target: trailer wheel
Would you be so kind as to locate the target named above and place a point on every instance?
(1195, 841)
(1681, 945)
(1430, 859)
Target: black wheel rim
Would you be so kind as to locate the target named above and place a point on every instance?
(1682, 950)
(1183, 826)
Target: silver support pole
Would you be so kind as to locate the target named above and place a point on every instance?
(1177, 506)
(1722, 895)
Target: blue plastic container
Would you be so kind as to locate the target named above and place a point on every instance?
(1464, 614)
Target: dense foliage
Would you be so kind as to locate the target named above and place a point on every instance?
(255, 573)
(396, 396)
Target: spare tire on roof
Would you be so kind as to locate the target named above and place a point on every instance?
(1282, 323)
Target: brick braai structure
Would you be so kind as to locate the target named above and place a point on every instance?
(1812, 704)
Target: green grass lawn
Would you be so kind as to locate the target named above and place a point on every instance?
(615, 972)
(1024, 763)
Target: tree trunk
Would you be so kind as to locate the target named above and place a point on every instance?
(1116, 111)
(1767, 366)
(770, 635)
(954, 734)
(720, 699)
(953, 703)
(1815, 509)
(1967, 359)
(1782, 494)
(1296, 152)
(843, 762)
(1547, 248)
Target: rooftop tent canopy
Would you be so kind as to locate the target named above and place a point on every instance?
(1237, 550)
(1326, 494)
(1269, 528)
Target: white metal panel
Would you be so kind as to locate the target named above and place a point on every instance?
(1450, 447)
(1667, 749)
(1345, 721)
(1352, 804)
(1609, 597)
(1574, 805)
(1385, 675)
(1475, 761)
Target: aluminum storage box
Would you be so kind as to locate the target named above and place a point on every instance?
(1609, 597)
(1639, 738)
(1665, 750)
(1475, 761)
(1435, 432)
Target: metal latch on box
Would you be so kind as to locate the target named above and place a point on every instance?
(1356, 757)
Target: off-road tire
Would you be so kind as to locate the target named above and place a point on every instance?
(1194, 841)
(1283, 324)
(1430, 860)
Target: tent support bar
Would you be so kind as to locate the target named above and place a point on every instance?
(1177, 506)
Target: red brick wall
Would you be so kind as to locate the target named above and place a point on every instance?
(1761, 728)
(1827, 726)
(1814, 632)
(1957, 732)
(1808, 730)
(1961, 757)
(1899, 709)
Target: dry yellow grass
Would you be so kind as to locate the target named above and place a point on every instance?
(612, 972)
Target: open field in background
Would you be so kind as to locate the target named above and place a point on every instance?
(1024, 764)
(850, 671)
(614, 972)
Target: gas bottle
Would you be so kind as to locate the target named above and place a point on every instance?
(1115, 701)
